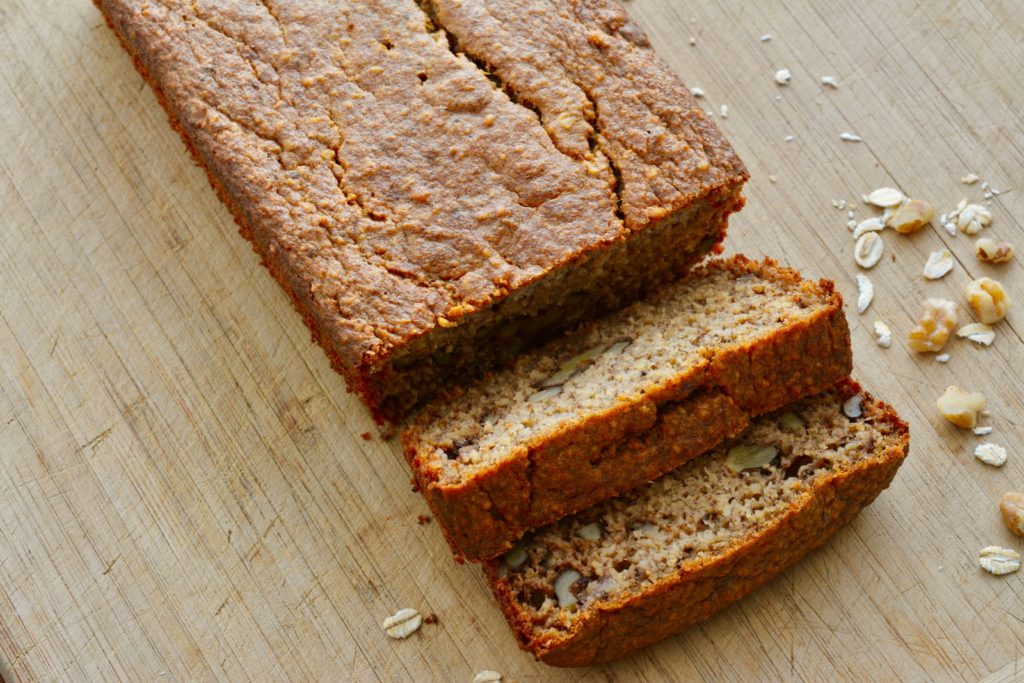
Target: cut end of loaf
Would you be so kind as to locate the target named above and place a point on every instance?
(636, 353)
(590, 284)
(556, 583)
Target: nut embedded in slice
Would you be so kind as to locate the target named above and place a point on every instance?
(939, 263)
(746, 457)
(563, 587)
(961, 407)
(991, 454)
(791, 422)
(852, 407)
(589, 532)
(911, 216)
(938, 319)
(999, 561)
(1011, 505)
(988, 299)
(516, 556)
(992, 251)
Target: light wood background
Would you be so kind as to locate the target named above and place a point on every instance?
(184, 493)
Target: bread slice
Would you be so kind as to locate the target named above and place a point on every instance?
(588, 416)
(638, 568)
(427, 218)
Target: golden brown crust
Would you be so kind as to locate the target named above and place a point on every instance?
(684, 599)
(587, 69)
(409, 222)
(602, 455)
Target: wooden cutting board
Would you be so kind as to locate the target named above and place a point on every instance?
(185, 490)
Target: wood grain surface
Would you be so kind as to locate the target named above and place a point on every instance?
(184, 490)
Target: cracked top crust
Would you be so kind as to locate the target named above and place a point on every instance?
(401, 187)
(586, 67)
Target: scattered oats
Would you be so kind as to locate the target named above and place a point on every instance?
(724, 111)
(884, 197)
(969, 219)
(883, 335)
(765, 38)
(789, 138)
(942, 358)
(939, 264)
(710, 114)
(693, 40)
(402, 623)
(782, 76)
(851, 224)
(772, 178)
(778, 98)
(487, 677)
(969, 179)
(852, 407)
(850, 137)
(980, 333)
(982, 431)
(850, 214)
(999, 561)
(697, 92)
(990, 454)
(830, 81)
(865, 292)
(947, 225)
(868, 250)
(838, 203)
(873, 224)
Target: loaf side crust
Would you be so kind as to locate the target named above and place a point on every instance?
(676, 602)
(405, 272)
(601, 455)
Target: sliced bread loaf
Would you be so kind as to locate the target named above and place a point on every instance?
(638, 568)
(588, 416)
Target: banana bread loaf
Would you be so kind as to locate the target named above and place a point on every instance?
(638, 568)
(624, 399)
(428, 216)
